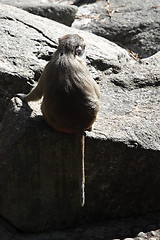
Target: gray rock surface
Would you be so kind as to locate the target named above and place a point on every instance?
(27, 50)
(38, 182)
(126, 133)
(38, 172)
(58, 12)
(133, 24)
(132, 104)
(139, 74)
(64, 14)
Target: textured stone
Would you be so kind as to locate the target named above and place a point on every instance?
(133, 24)
(29, 44)
(38, 181)
(63, 13)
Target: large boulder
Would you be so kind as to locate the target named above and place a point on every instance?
(29, 43)
(133, 24)
(132, 104)
(39, 185)
(62, 13)
(38, 167)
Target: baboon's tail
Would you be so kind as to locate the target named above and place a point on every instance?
(80, 154)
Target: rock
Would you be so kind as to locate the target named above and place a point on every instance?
(27, 50)
(132, 104)
(112, 229)
(142, 235)
(133, 24)
(80, 2)
(125, 134)
(139, 74)
(128, 238)
(38, 180)
(64, 14)
(153, 233)
(33, 190)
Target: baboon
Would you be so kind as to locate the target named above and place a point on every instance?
(70, 95)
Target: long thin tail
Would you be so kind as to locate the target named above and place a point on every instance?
(80, 146)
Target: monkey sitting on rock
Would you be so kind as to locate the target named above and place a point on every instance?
(70, 95)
